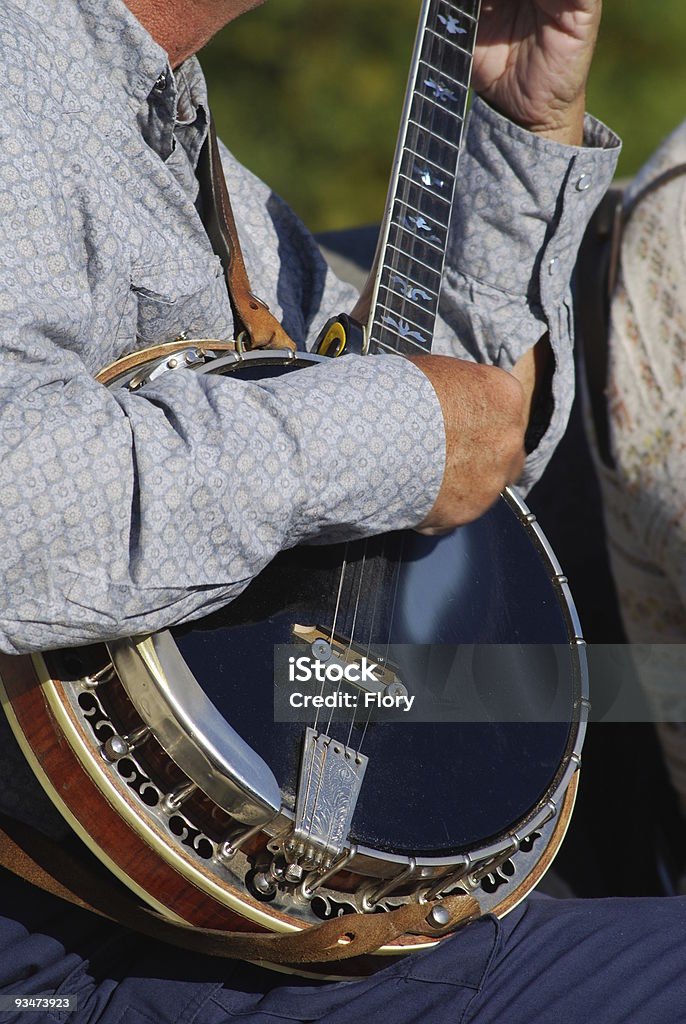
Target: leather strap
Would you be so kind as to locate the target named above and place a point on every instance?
(51, 867)
(254, 325)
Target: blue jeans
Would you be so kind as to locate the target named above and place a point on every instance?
(548, 962)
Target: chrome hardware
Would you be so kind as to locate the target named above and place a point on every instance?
(138, 737)
(117, 746)
(447, 881)
(294, 874)
(114, 747)
(551, 810)
(264, 883)
(328, 788)
(166, 696)
(178, 796)
(314, 882)
(321, 650)
(103, 675)
(371, 899)
(211, 753)
(492, 864)
(438, 917)
(230, 847)
(189, 358)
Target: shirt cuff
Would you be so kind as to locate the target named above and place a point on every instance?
(370, 442)
(522, 205)
(523, 201)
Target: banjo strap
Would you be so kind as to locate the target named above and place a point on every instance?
(51, 866)
(254, 325)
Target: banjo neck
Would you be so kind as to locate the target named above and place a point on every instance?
(403, 289)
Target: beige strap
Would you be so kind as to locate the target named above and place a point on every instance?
(597, 270)
(51, 867)
(252, 319)
(595, 266)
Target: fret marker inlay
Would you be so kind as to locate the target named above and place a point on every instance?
(404, 329)
(420, 226)
(409, 291)
(430, 180)
(451, 25)
(442, 93)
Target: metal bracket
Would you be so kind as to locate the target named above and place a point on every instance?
(186, 359)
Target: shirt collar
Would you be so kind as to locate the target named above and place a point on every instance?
(133, 59)
(170, 106)
(176, 111)
(192, 108)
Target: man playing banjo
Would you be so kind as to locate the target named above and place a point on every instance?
(127, 511)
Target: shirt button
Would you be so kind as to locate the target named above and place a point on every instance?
(552, 265)
(583, 183)
(161, 83)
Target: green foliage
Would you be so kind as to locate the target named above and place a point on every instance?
(308, 93)
(637, 83)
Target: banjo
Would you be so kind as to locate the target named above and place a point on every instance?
(326, 832)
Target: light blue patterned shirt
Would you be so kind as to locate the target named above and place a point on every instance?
(124, 512)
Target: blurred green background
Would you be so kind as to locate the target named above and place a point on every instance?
(308, 93)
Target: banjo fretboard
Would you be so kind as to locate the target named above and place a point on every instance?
(415, 229)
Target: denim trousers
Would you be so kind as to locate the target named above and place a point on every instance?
(549, 961)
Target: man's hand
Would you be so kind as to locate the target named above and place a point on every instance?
(484, 413)
(532, 60)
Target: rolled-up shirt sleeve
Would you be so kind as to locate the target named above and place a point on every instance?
(522, 205)
(124, 513)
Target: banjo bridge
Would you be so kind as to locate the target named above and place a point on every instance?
(371, 673)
